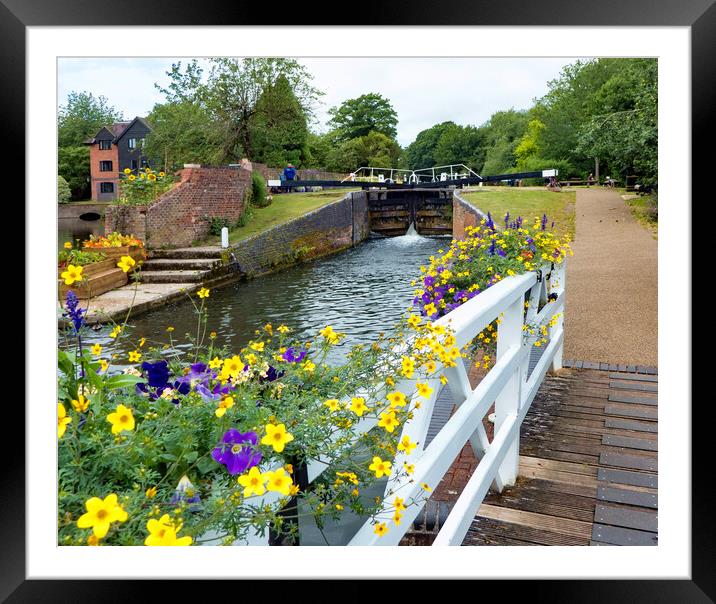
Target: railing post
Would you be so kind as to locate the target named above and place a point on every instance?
(559, 275)
(509, 334)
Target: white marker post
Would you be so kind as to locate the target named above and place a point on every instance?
(224, 237)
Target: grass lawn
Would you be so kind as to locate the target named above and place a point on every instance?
(285, 207)
(526, 202)
(645, 209)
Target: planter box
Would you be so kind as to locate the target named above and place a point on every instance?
(137, 253)
(99, 277)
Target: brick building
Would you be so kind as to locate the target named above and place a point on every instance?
(112, 150)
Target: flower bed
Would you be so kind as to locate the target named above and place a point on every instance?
(215, 447)
(143, 187)
(115, 245)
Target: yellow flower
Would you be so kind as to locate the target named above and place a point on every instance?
(96, 349)
(100, 514)
(396, 399)
(215, 363)
(81, 404)
(121, 419)
(132, 177)
(399, 504)
(233, 366)
(150, 493)
(125, 263)
(333, 404)
(277, 437)
(142, 341)
(380, 529)
(268, 328)
(212, 335)
(308, 366)
(283, 329)
(227, 402)
(258, 346)
(380, 467)
(279, 481)
(329, 335)
(164, 532)
(423, 389)
(414, 321)
(170, 329)
(62, 420)
(67, 245)
(406, 445)
(134, 356)
(425, 486)
(253, 482)
(388, 420)
(358, 406)
(390, 381)
(203, 293)
(409, 468)
(72, 274)
(127, 171)
(161, 174)
(103, 365)
(152, 177)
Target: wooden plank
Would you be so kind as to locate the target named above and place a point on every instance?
(629, 424)
(638, 498)
(633, 462)
(637, 400)
(615, 535)
(493, 530)
(626, 517)
(560, 487)
(634, 377)
(633, 411)
(557, 476)
(565, 526)
(626, 385)
(626, 477)
(630, 443)
(560, 466)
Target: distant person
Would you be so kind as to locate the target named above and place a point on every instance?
(289, 172)
(590, 179)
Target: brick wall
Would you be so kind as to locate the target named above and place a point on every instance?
(181, 216)
(463, 215)
(97, 155)
(334, 227)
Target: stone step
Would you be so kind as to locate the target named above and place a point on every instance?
(181, 264)
(189, 276)
(185, 253)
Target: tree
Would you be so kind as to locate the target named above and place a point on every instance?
(74, 167)
(82, 117)
(63, 190)
(280, 131)
(358, 117)
(375, 149)
(501, 135)
(460, 145)
(181, 134)
(421, 152)
(230, 96)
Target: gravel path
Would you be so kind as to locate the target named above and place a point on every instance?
(611, 304)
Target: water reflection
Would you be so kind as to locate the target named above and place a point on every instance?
(72, 229)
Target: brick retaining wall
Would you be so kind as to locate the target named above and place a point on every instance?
(181, 216)
(332, 228)
(463, 215)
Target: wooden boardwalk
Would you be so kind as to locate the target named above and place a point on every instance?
(588, 468)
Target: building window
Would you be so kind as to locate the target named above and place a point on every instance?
(132, 143)
(105, 166)
(105, 145)
(106, 187)
(134, 164)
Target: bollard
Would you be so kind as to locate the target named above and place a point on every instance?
(224, 237)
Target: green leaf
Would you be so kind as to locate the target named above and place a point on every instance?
(191, 456)
(122, 381)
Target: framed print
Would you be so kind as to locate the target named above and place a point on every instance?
(250, 192)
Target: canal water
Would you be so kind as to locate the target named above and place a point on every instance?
(360, 292)
(76, 229)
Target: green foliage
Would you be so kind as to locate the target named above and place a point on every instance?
(73, 165)
(63, 190)
(374, 149)
(181, 134)
(217, 223)
(229, 99)
(279, 127)
(502, 134)
(460, 145)
(421, 152)
(259, 193)
(78, 257)
(355, 118)
(82, 117)
(143, 188)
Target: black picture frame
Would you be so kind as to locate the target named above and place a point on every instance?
(699, 15)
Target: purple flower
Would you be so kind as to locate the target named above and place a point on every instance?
(185, 492)
(507, 219)
(74, 312)
(491, 251)
(290, 355)
(426, 297)
(544, 221)
(272, 374)
(237, 451)
(501, 252)
(429, 281)
(157, 373)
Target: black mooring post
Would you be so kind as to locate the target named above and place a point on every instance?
(290, 511)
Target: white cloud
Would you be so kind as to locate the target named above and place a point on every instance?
(423, 91)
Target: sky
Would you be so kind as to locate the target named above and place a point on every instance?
(423, 91)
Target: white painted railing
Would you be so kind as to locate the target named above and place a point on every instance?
(507, 385)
